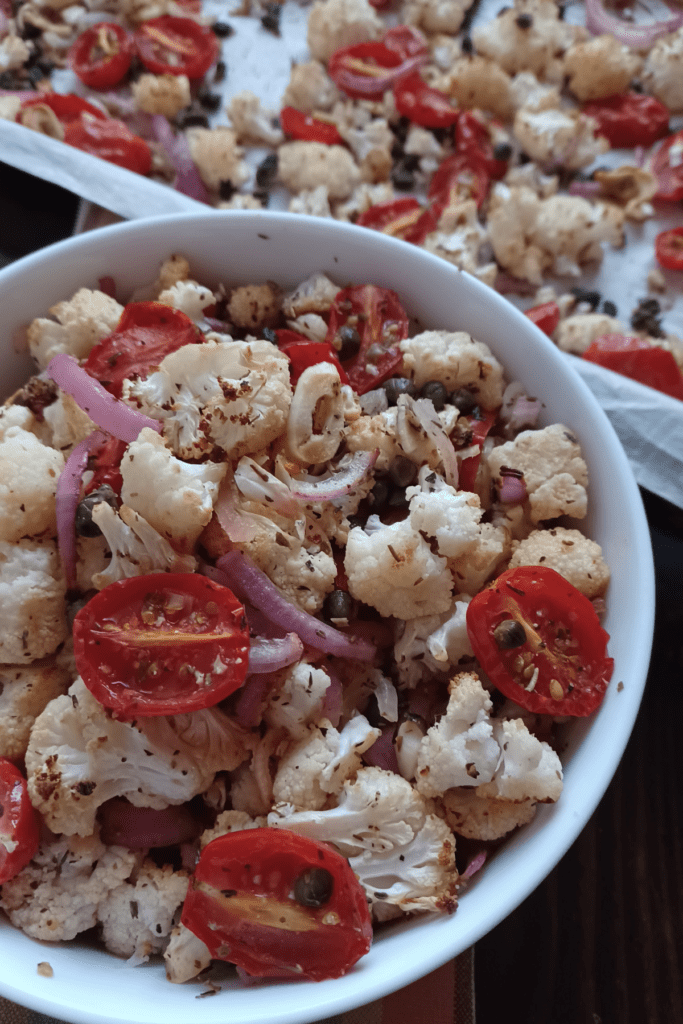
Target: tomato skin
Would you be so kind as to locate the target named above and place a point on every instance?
(161, 644)
(240, 904)
(146, 332)
(381, 321)
(422, 104)
(66, 106)
(480, 426)
(111, 140)
(396, 217)
(107, 465)
(546, 317)
(308, 128)
(629, 119)
(473, 139)
(19, 822)
(458, 177)
(303, 353)
(669, 249)
(565, 642)
(666, 163)
(105, 71)
(194, 46)
(638, 359)
(350, 69)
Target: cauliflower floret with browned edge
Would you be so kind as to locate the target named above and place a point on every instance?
(13, 53)
(553, 469)
(25, 691)
(314, 295)
(134, 546)
(432, 644)
(473, 569)
(255, 306)
(599, 67)
(457, 360)
(79, 323)
(631, 189)
(478, 82)
(137, 916)
(435, 15)
(554, 136)
(298, 701)
(252, 123)
(460, 239)
(57, 894)
(310, 88)
(218, 156)
(314, 202)
(402, 853)
(333, 24)
(393, 569)
(662, 73)
(575, 333)
(568, 552)
(17, 416)
(29, 471)
(362, 198)
(189, 297)
(222, 396)
(181, 502)
(527, 37)
(65, 424)
(79, 756)
(315, 767)
(474, 816)
(32, 601)
(451, 518)
(161, 94)
(303, 166)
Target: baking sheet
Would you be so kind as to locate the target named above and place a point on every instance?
(649, 424)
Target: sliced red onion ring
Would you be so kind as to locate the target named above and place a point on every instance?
(269, 655)
(105, 410)
(431, 424)
(249, 706)
(137, 828)
(237, 526)
(512, 490)
(382, 753)
(220, 326)
(67, 497)
(248, 582)
(506, 284)
(188, 179)
(599, 21)
(524, 413)
(475, 864)
(586, 189)
(257, 484)
(337, 485)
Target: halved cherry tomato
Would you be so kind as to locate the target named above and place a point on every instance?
(382, 323)
(279, 905)
(19, 823)
(480, 425)
(101, 55)
(473, 138)
(459, 177)
(629, 119)
(638, 359)
(396, 217)
(308, 128)
(666, 163)
(111, 140)
(406, 41)
(302, 353)
(669, 249)
(67, 107)
(561, 666)
(162, 644)
(146, 332)
(362, 71)
(105, 463)
(422, 104)
(176, 46)
(546, 316)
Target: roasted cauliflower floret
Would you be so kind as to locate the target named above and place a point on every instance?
(79, 323)
(303, 166)
(475, 816)
(32, 605)
(137, 916)
(661, 73)
(601, 66)
(457, 360)
(189, 297)
(436, 15)
(218, 156)
(568, 552)
(576, 332)
(29, 471)
(25, 691)
(552, 467)
(181, 502)
(527, 37)
(79, 756)
(310, 88)
(252, 123)
(480, 83)
(336, 23)
(222, 396)
(161, 94)
(135, 548)
(255, 306)
(297, 704)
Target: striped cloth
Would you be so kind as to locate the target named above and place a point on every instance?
(444, 996)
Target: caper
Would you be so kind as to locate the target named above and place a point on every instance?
(398, 498)
(509, 634)
(464, 401)
(378, 495)
(397, 386)
(338, 605)
(267, 170)
(350, 343)
(313, 888)
(436, 393)
(84, 523)
(402, 471)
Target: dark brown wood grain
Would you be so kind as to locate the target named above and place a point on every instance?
(601, 940)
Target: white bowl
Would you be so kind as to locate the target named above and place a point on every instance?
(91, 986)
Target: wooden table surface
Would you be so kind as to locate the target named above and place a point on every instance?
(601, 940)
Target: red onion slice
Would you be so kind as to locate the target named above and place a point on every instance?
(512, 490)
(269, 655)
(107, 285)
(429, 420)
(138, 828)
(475, 864)
(586, 189)
(382, 753)
(639, 36)
(238, 526)
(356, 82)
(252, 697)
(257, 484)
(67, 497)
(248, 582)
(177, 148)
(106, 411)
(338, 484)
